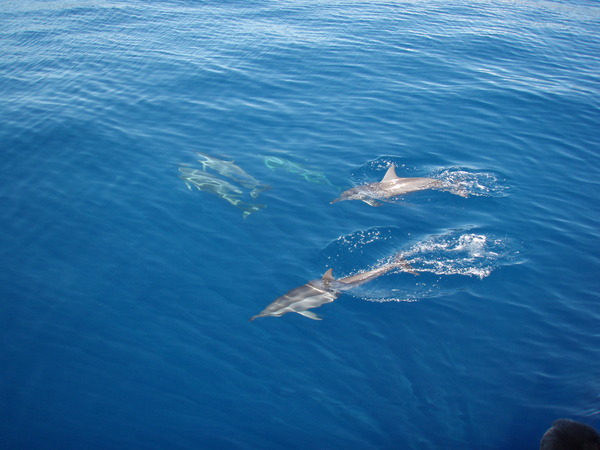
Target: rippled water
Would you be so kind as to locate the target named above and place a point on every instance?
(131, 267)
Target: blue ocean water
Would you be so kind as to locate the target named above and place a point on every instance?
(125, 296)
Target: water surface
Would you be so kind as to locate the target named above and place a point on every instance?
(125, 296)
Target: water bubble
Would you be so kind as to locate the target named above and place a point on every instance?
(466, 183)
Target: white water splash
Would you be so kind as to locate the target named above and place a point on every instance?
(467, 254)
(446, 262)
(467, 184)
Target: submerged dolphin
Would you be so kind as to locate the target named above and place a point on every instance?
(234, 172)
(219, 187)
(390, 186)
(325, 290)
(312, 176)
(206, 182)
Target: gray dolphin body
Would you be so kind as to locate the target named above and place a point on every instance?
(390, 186)
(234, 172)
(325, 290)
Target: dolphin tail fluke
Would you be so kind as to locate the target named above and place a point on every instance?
(404, 265)
(248, 208)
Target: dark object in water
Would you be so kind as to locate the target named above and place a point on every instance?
(566, 434)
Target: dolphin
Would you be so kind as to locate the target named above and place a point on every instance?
(209, 183)
(325, 290)
(390, 186)
(233, 172)
(312, 176)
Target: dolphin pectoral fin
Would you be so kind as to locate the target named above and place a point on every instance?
(372, 202)
(310, 315)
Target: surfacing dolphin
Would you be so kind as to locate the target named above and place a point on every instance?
(234, 172)
(390, 186)
(325, 290)
(209, 183)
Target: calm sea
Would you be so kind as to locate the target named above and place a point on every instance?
(167, 172)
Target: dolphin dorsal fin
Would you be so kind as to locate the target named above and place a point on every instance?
(390, 174)
(328, 276)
